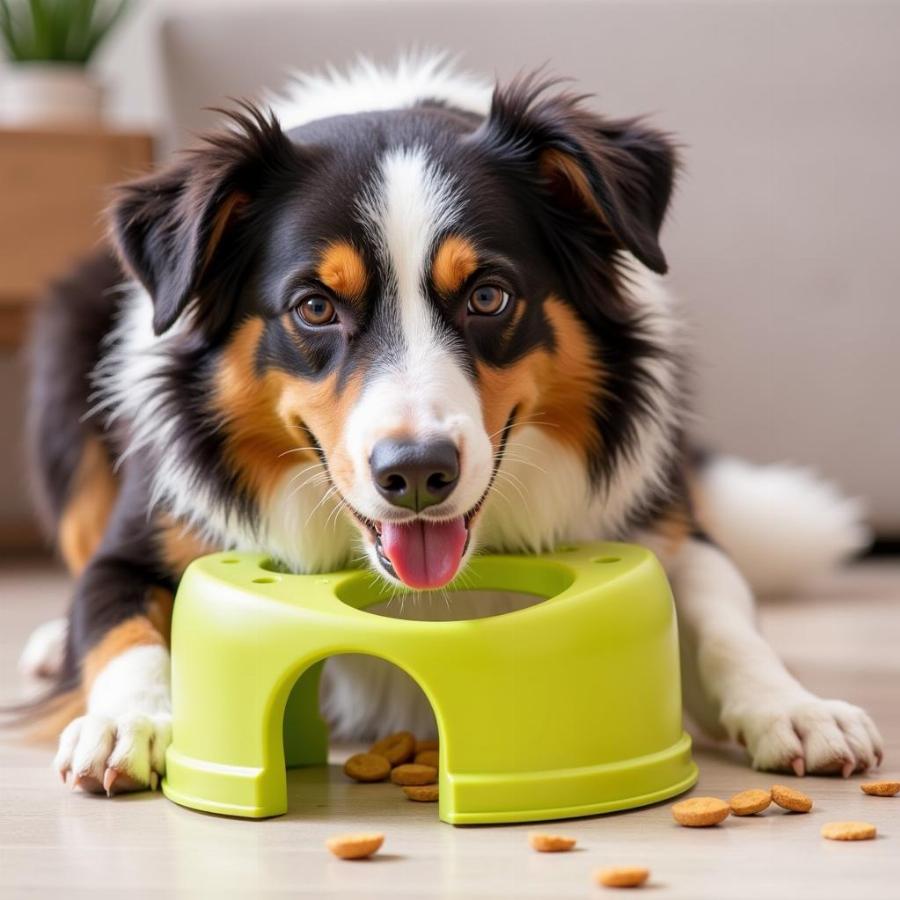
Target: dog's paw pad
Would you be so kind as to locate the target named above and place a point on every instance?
(102, 755)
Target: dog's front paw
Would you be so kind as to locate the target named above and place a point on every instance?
(805, 735)
(114, 755)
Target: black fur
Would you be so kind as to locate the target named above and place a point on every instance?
(70, 325)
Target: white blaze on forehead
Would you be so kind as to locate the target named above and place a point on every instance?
(420, 388)
(411, 206)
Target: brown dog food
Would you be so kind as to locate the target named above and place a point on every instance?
(395, 748)
(881, 788)
(550, 843)
(622, 876)
(788, 798)
(421, 793)
(422, 746)
(849, 831)
(367, 767)
(700, 812)
(427, 758)
(747, 803)
(410, 773)
(355, 846)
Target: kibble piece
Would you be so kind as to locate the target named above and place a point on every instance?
(881, 788)
(427, 744)
(422, 793)
(788, 798)
(355, 846)
(410, 773)
(427, 758)
(746, 803)
(700, 812)
(367, 767)
(396, 748)
(550, 843)
(622, 876)
(849, 831)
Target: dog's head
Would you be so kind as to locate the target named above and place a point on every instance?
(393, 294)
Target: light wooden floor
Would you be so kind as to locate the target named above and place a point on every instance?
(842, 639)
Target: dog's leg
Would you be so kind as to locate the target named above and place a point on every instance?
(736, 677)
(118, 633)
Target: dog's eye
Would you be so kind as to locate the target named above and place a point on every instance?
(317, 310)
(488, 300)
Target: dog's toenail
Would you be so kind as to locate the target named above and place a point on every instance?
(109, 780)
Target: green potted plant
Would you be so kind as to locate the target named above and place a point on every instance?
(48, 45)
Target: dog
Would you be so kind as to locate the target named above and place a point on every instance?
(394, 317)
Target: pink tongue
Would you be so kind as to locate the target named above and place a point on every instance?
(425, 555)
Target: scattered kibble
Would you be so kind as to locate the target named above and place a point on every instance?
(411, 773)
(748, 803)
(788, 798)
(427, 758)
(367, 767)
(622, 876)
(700, 812)
(396, 748)
(881, 788)
(421, 793)
(355, 846)
(550, 843)
(849, 831)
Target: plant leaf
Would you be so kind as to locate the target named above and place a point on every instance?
(104, 26)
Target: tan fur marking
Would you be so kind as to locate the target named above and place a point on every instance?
(674, 527)
(269, 418)
(258, 443)
(455, 260)
(138, 631)
(228, 209)
(323, 409)
(181, 545)
(159, 611)
(87, 511)
(556, 166)
(343, 270)
(503, 388)
(557, 392)
(574, 386)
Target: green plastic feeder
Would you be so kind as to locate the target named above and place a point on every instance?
(570, 707)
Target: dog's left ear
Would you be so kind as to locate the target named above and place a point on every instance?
(613, 176)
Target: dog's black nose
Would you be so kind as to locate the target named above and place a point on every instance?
(414, 474)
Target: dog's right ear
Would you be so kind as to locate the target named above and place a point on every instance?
(172, 228)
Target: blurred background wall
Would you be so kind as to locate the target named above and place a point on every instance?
(783, 238)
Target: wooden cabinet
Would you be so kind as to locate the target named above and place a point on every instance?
(54, 187)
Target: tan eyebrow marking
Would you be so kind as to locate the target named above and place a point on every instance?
(455, 260)
(343, 270)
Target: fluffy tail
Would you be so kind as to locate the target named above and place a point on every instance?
(781, 524)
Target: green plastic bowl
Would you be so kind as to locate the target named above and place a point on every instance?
(567, 708)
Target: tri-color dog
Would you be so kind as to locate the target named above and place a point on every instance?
(399, 316)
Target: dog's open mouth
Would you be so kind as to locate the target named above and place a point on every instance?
(424, 554)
